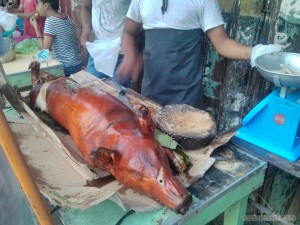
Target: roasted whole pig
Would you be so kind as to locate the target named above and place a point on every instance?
(110, 136)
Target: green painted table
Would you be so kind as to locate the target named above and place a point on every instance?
(223, 189)
(18, 74)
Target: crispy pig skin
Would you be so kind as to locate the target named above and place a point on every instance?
(112, 137)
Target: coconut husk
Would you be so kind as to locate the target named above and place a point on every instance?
(192, 128)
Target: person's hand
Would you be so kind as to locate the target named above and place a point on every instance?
(34, 22)
(130, 66)
(86, 35)
(263, 49)
(9, 7)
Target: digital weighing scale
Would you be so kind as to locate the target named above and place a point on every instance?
(273, 124)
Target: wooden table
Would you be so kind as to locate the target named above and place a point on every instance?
(292, 168)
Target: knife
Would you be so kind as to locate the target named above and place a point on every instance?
(122, 95)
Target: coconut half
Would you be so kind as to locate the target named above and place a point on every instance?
(192, 128)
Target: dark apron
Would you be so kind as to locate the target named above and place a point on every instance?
(173, 67)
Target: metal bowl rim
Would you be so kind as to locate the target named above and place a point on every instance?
(272, 72)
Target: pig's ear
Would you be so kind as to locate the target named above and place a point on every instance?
(34, 66)
(102, 158)
(145, 120)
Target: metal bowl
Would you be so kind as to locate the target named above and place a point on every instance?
(281, 68)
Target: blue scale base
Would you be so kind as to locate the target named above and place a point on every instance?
(273, 125)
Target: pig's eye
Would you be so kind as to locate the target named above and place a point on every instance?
(160, 177)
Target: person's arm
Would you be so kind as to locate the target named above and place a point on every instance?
(20, 9)
(86, 21)
(25, 16)
(45, 42)
(232, 49)
(132, 63)
(226, 46)
(19, 12)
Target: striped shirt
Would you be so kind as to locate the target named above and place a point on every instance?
(65, 44)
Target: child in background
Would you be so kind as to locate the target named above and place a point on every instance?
(26, 10)
(60, 35)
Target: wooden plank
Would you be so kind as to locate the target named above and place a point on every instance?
(292, 168)
(230, 166)
(267, 187)
(283, 190)
(295, 205)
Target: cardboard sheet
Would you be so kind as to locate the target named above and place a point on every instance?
(57, 174)
(62, 174)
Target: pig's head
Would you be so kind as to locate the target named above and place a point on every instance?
(140, 162)
(38, 75)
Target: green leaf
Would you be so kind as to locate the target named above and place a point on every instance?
(168, 142)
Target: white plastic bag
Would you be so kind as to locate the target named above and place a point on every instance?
(105, 54)
(7, 20)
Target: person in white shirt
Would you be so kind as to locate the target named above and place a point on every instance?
(172, 57)
(102, 25)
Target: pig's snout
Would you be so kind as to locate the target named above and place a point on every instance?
(185, 205)
(175, 197)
